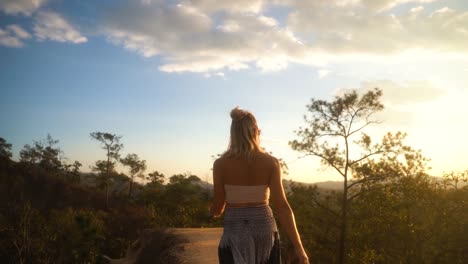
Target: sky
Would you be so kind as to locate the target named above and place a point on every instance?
(165, 74)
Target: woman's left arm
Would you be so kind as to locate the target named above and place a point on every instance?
(219, 197)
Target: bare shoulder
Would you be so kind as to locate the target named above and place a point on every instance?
(272, 160)
(219, 162)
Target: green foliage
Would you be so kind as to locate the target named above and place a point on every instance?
(155, 177)
(46, 153)
(110, 143)
(73, 171)
(102, 168)
(5, 149)
(77, 235)
(453, 180)
(317, 221)
(48, 219)
(411, 219)
(187, 210)
(136, 167)
(398, 213)
(328, 136)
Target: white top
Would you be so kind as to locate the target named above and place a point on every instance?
(246, 194)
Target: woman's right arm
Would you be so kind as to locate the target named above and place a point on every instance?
(285, 213)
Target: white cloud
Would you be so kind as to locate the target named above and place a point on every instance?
(190, 40)
(19, 31)
(382, 5)
(209, 6)
(368, 5)
(9, 41)
(13, 35)
(216, 74)
(52, 26)
(209, 36)
(322, 73)
(24, 7)
(417, 9)
(403, 101)
(410, 92)
(337, 29)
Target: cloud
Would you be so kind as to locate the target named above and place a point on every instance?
(19, 31)
(402, 101)
(395, 117)
(24, 7)
(210, 6)
(411, 92)
(52, 26)
(382, 5)
(13, 35)
(367, 5)
(188, 39)
(210, 36)
(216, 74)
(361, 28)
(322, 73)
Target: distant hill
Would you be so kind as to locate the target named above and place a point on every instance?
(326, 185)
(338, 185)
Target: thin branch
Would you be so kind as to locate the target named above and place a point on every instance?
(364, 180)
(336, 120)
(363, 126)
(365, 157)
(349, 199)
(329, 162)
(305, 155)
(329, 134)
(324, 207)
(352, 118)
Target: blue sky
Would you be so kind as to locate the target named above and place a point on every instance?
(165, 74)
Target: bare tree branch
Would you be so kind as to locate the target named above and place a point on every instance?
(365, 157)
(374, 178)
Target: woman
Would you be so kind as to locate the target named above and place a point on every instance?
(243, 178)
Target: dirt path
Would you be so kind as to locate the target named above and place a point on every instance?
(202, 245)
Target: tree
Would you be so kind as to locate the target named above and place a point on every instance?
(111, 144)
(45, 153)
(101, 167)
(73, 171)
(329, 135)
(453, 179)
(136, 166)
(5, 149)
(155, 177)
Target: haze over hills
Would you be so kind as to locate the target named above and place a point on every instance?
(328, 185)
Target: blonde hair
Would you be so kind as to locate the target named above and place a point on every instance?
(244, 140)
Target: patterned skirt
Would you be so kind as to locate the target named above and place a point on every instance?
(250, 237)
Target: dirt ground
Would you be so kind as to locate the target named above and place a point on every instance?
(202, 245)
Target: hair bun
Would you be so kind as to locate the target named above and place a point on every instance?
(237, 114)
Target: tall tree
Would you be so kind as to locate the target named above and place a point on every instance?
(155, 177)
(328, 135)
(5, 149)
(136, 166)
(73, 171)
(46, 153)
(111, 144)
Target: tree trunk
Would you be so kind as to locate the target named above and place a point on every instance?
(107, 194)
(344, 212)
(107, 178)
(130, 187)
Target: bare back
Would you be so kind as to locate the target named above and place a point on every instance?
(242, 172)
